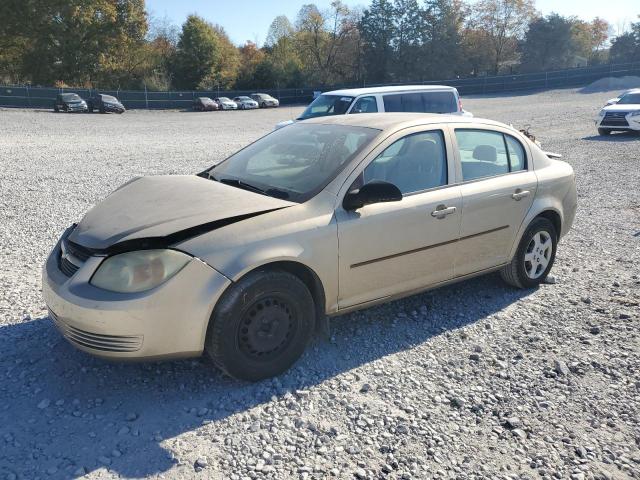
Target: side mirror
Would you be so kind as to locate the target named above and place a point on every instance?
(375, 191)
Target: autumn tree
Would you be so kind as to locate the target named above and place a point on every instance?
(505, 23)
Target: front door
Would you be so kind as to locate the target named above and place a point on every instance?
(391, 248)
(497, 192)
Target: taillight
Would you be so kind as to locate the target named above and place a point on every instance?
(459, 104)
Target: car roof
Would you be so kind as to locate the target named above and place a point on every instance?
(397, 121)
(354, 92)
(633, 90)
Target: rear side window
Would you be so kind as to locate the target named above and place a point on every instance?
(423, 102)
(485, 153)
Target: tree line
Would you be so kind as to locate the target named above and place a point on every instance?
(117, 44)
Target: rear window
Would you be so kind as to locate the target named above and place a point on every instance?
(423, 102)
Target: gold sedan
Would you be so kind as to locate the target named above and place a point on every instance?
(246, 259)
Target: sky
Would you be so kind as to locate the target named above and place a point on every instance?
(250, 19)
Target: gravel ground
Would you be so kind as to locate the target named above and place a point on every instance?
(474, 380)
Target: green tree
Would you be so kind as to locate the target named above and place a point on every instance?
(548, 43)
(409, 25)
(197, 53)
(443, 41)
(625, 48)
(378, 31)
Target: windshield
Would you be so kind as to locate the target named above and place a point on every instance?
(224, 99)
(294, 163)
(630, 99)
(70, 97)
(327, 105)
(244, 98)
(109, 98)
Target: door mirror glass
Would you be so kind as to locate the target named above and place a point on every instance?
(376, 191)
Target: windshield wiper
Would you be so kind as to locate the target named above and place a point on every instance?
(270, 192)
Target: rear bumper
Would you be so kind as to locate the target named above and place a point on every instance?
(166, 322)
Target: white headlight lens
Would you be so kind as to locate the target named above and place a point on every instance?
(635, 114)
(602, 113)
(138, 271)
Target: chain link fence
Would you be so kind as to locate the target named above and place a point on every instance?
(42, 97)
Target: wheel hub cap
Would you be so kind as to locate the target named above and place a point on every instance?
(538, 254)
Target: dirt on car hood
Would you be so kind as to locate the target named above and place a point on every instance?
(166, 209)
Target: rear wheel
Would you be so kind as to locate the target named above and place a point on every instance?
(261, 325)
(535, 255)
(263, 105)
(604, 131)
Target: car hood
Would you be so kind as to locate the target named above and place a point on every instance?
(622, 108)
(162, 210)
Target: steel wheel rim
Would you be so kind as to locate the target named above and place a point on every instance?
(538, 254)
(267, 328)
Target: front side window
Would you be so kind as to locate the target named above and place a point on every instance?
(327, 105)
(296, 162)
(414, 163)
(485, 153)
(365, 105)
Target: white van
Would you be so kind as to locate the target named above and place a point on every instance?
(405, 98)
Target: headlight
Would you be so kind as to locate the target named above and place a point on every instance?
(602, 113)
(138, 271)
(635, 114)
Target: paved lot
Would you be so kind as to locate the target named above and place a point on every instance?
(474, 380)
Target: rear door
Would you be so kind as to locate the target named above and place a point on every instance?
(498, 187)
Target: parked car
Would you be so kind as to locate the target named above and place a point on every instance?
(69, 102)
(624, 115)
(205, 104)
(245, 103)
(289, 241)
(105, 103)
(407, 98)
(226, 103)
(265, 100)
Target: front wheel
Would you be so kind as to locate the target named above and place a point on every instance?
(604, 131)
(535, 255)
(261, 325)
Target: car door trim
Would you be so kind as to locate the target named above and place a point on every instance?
(427, 247)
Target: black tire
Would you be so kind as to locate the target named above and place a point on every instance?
(261, 325)
(101, 109)
(263, 105)
(604, 131)
(515, 273)
(56, 109)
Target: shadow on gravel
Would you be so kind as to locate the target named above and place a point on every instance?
(614, 137)
(61, 410)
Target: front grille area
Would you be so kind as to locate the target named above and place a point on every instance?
(615, 119)
(72, 256)
(97, 341)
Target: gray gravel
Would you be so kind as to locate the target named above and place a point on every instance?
(474, 380)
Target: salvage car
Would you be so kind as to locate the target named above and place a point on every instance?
(265, 100)
(105, 104)
(205, 104)
(226, 103)
(246, 259)
(245, 103)
(622, 116)
(69, 102)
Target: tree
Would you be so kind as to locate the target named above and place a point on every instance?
(443, 41)
(250, 58)
(197, 53)
(408, 22)
(548, 43)
(505, 23)
(378, 30)
(625, 48)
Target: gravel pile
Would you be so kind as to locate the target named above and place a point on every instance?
(475, 380)
(612, 83)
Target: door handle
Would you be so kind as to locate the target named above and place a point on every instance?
(520, 194)
(442, 211)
